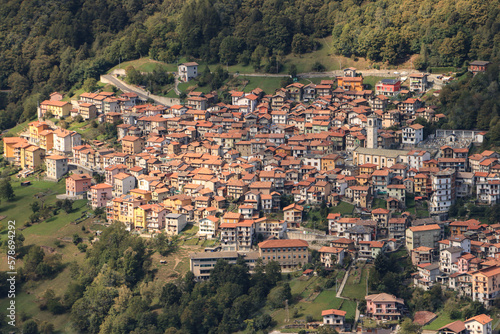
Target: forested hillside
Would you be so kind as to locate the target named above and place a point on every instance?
(55, 44)
(473, 102)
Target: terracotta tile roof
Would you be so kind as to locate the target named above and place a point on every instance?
(283, 243)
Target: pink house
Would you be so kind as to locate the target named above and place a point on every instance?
(78, 184)
(384, 306)
(464, 262)
(100, 194)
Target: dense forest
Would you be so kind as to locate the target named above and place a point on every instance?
(55, 45)
(115, 290)
(473, 102)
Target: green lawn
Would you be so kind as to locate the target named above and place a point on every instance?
(355, 287)
(379, 203)
(324, 301)
(146, 65)
(19, 128)
(343, 208)
(267, 84)
(57, 228)
(19, 209)
(371, 81)
(422, 214)
(442, 320)
(171, 93)
(350, 307)
(27, 302)
(52, 225)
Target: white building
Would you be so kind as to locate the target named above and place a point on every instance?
(418, 82)
(448, 257)
(175, 223)
(330, 256)
(480, 324)
(413, 134)
(57, 166)
(65, 140)
(208, 227)
(334, 318)
(188, 71)
(122, 184)
(443, 196)
(489, 191)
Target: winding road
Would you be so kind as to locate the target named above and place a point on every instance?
(143, 94)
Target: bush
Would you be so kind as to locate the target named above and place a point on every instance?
(54, 306)
(82, 247)
(318, 67)
(455, 314)
(330, 283)
(76, 239)
(262, 322)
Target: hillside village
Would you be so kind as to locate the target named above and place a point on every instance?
(250, 175)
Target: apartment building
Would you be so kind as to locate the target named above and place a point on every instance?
(384, 306)
(293, 214)
(100, 194)
(289, 253)
(57, 166)
(480, 324)
(175, 223)
(485, 287)
(202, 264)
(443, 196)
(425, 235)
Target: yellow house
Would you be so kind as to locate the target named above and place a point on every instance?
(35, 129)
(142, 194)
(9, 144)
(231, 218)
(59, 109)
(175, 203)
(32, 157)
(140, 214)
(46, 139)
(367, 168)
(328, 161)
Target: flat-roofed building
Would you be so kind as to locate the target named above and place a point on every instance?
(202, 264)
(57, 166)
(175, 223)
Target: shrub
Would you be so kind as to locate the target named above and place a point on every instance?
(82, 247)
(318, 67)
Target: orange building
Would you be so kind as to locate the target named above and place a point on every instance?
(350, 83)
(9, 148)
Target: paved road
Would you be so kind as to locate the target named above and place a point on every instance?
(143, 94)
(176, 86)
(339, 292)
(377, 73)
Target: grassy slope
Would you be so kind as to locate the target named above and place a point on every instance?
(355, 288)
(44, 234)
(442, 320)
